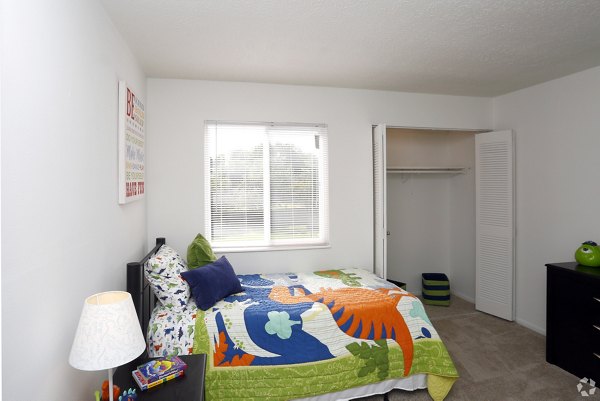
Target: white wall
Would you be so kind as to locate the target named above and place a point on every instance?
(557, 130)
(64, 237)
(418, 217)
(175, 171)
(462, 217)
(1, 75)
(1, 66)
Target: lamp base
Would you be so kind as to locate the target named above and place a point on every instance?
(110, 384)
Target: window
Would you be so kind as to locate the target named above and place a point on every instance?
(266, 185)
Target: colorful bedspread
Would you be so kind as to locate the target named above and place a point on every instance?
(298, 335)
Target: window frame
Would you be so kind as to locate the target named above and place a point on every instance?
(268, 243)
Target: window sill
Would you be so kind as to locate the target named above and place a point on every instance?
(269, 248)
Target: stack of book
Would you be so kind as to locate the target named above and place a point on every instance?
(158, 371)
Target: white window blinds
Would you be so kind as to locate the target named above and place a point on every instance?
(266, 185)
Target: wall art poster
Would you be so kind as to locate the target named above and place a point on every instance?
(131, 145)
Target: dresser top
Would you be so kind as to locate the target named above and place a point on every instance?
(577, 268)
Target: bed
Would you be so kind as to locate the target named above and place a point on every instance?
(327, 335)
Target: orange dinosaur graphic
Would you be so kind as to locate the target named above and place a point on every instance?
(220, 350)
(371, 314)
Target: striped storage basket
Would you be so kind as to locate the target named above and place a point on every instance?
(436, 289)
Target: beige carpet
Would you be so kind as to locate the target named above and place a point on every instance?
(496, 359)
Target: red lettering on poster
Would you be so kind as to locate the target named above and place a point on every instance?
(134, 188)
(130, 103)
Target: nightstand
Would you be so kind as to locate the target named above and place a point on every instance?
(189, 387)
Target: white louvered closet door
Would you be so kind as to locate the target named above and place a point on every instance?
(379, 200)
(495, 231)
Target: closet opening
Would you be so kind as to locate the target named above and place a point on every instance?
(427, 198)
(431, 207)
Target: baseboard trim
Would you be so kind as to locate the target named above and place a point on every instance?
(530, 326)
(462, 296)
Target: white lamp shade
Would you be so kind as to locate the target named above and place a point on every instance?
(108, 334)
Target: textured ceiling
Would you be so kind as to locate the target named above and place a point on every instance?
(460, 47)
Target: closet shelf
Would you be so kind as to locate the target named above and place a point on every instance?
(427, 170)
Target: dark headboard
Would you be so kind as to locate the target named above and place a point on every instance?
(139, 288)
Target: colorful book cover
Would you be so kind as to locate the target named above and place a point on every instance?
(158, 371)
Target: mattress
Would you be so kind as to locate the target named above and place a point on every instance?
(288, 336)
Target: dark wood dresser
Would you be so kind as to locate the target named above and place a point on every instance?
(573, 318)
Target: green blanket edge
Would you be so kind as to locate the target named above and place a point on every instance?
(251, 383)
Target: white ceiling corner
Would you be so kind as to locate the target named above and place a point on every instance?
(458, 47)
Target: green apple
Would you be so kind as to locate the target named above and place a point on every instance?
(588, 254)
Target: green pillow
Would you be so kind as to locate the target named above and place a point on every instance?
(199, 253)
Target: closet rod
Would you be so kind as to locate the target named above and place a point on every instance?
(427, 170)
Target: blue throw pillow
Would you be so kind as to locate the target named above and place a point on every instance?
(212, 282)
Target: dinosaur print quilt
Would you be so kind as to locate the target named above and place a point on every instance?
(298, 335)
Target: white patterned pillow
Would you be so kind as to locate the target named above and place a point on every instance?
(163, 271)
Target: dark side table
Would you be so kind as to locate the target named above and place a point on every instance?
(189, 387)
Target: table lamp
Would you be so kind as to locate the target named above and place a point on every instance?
(108, 334)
